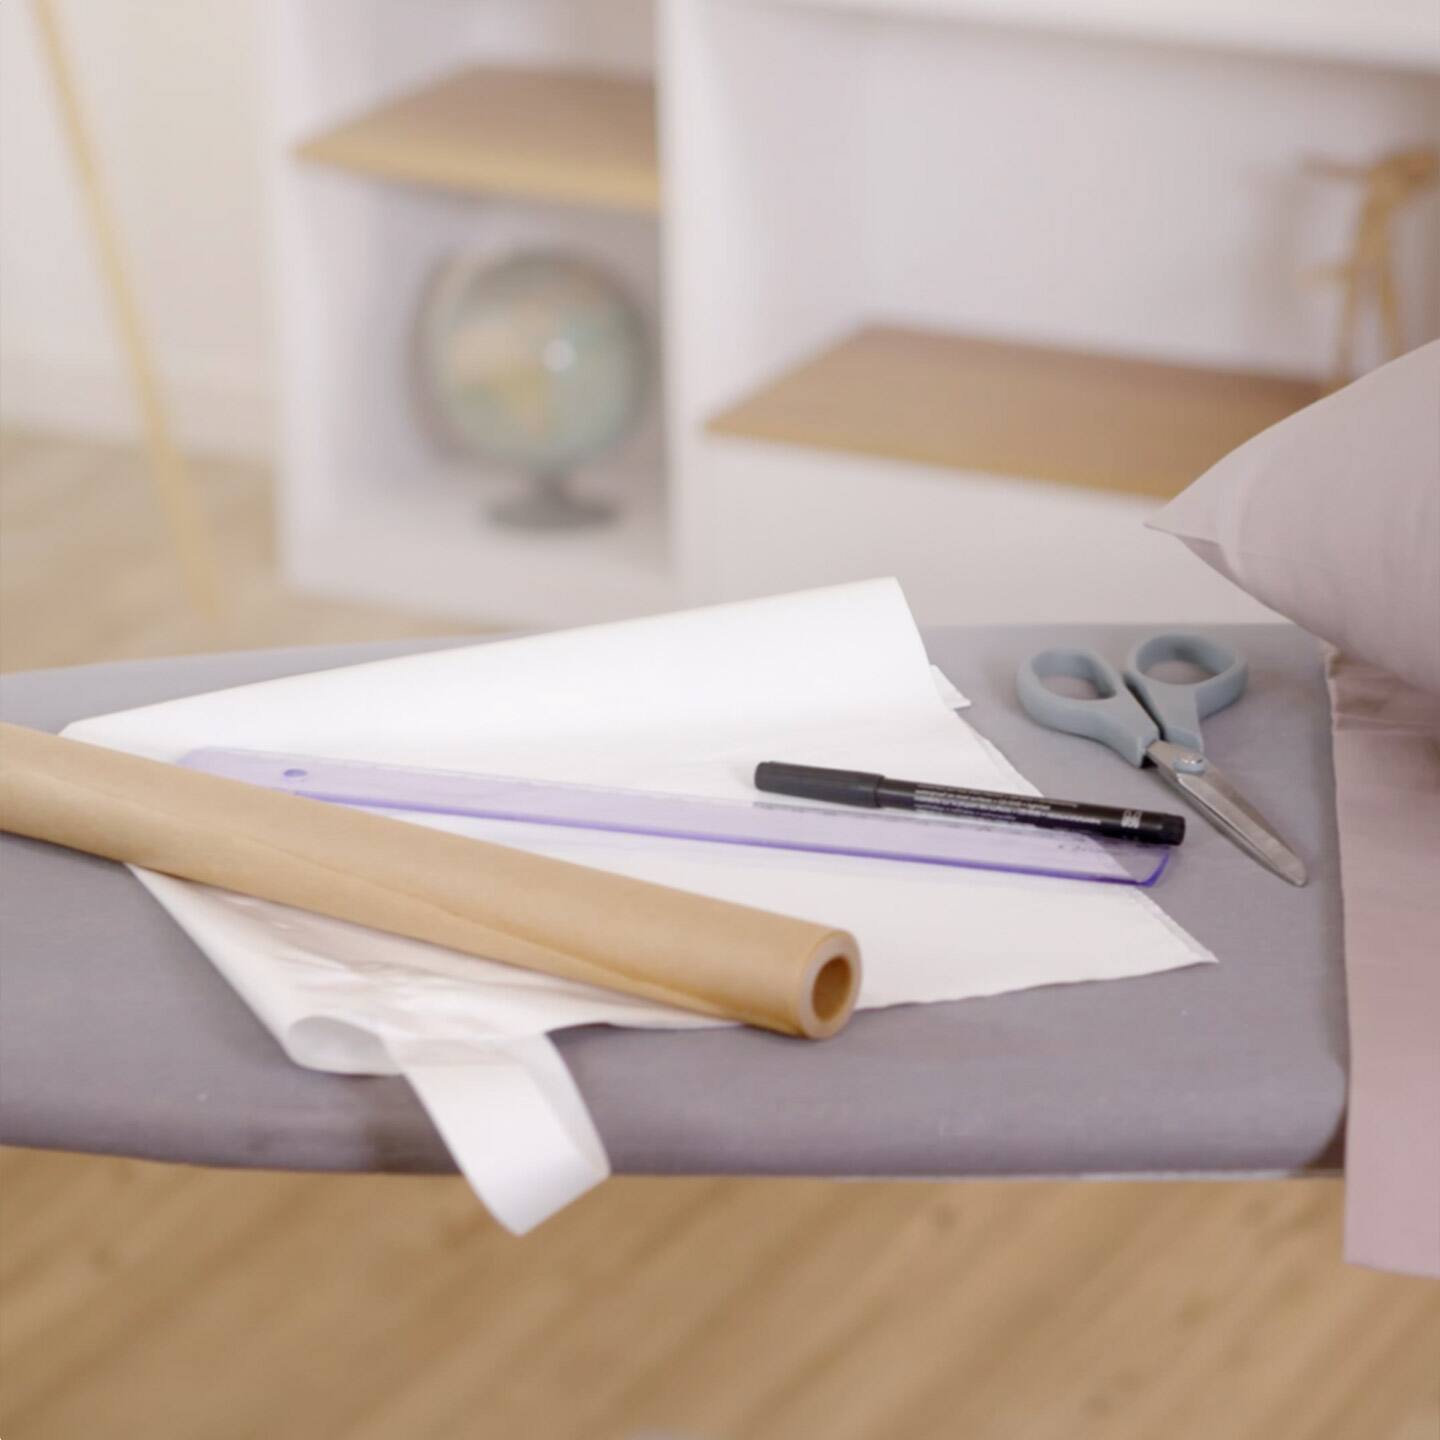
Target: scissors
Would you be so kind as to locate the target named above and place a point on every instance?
(1143, 718)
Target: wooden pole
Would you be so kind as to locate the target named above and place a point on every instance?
(173, 489)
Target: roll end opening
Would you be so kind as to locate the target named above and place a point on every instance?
(834, 985)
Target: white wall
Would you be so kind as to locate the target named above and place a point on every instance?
(1141, 198)
(173, 94)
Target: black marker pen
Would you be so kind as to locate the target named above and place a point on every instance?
(857, 787)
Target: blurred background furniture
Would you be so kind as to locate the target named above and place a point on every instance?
(1387, 186)
(940, 288)
(834, 215)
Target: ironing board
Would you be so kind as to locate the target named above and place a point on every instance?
(117, 1036)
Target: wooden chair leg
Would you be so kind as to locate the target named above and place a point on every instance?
(1390, 323)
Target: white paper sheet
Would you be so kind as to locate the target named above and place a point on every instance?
(687, 703)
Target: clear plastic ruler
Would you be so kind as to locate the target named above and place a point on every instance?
(766, 824)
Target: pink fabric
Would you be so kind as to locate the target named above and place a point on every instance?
(1332, 517)
(1387, 780)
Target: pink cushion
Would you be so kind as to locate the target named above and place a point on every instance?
(1332, 517)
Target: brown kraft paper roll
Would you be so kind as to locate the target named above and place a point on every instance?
(652, 941)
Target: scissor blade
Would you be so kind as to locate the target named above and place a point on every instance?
(1223, 805)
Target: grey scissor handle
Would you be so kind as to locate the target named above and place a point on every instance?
(1179, 707)
(1114, 717)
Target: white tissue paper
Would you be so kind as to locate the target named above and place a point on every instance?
(686, 703)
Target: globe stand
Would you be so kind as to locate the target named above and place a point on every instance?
(548, 505)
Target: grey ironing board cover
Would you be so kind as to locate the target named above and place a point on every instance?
(117, 1036)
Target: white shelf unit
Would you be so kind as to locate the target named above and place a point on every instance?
(1106, 194)
(372, 194)
(1105, 179)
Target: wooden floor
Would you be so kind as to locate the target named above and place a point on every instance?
(175, 1304)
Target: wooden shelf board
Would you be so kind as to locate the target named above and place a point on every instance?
(569, 136)
(1134, 426)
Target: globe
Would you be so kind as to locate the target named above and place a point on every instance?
(536, 363)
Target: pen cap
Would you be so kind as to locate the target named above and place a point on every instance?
(812, 782)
